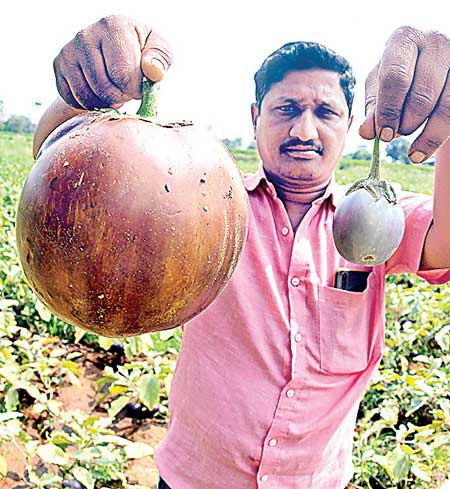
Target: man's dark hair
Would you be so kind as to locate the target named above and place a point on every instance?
(303, 55)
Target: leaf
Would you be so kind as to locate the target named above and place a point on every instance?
(6, 353)
(3, 467)
(44, 480)
(52, 454)
(105, 342)
(118, 389)
(79, 333)
(7, 303)
(166, 334)
(443, 338)
(117, 405)
(54, 407)
(422, 359)
(399, 464)
(58, 352)
(439, 440)
(389, 412)
(416, 403)
(31, 389)
(73, 379)
(114, 439)
(83, 476)
(407, 449)
(43, 312)
(9, 373)
(138, 450)
(11, 399)
(106, 379)
(7, 416)
(148, 390)
(381, 460)
(61, 439)
(421, 471)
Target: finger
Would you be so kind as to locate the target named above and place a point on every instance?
(429, 79)
(156, 57)
(367, 128)
(81, 90)
(394, 81)
(436, 130)
(123, 64)
(96, 75)
(64, 90)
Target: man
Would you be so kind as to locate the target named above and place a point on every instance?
(269, 377)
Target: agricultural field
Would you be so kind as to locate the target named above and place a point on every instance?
(81, 411)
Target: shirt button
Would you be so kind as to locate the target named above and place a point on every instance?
(290, 392)
(273, 442)
(298, 337)
(264, 477)
(295, 281)
(285, 231)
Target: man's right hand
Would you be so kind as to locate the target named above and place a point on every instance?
(104, 64)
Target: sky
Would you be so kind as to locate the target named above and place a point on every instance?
(217, 47)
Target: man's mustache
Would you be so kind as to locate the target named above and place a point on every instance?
(295, 143)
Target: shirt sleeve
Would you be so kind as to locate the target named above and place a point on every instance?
(406, 259)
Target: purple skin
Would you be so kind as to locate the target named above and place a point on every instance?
(117, 349)
(367, 231)
(369, 224)
(48, 431)
(138, 411)
(73, 484)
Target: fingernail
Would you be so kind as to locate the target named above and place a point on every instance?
(156, 70)
(387, 134)
(418, 157)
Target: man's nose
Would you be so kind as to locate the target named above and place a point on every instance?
(304, 127)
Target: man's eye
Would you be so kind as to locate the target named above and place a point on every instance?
(325, 113)
(286, 109)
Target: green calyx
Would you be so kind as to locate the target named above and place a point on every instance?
(148, 107)
(376, 187)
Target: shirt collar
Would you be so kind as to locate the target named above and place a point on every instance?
(334, 191)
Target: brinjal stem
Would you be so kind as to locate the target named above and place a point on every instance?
(374, 171)
(148, 106)
(376, 187)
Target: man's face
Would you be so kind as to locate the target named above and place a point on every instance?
(301, 129)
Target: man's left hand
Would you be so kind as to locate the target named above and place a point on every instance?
(409, 86)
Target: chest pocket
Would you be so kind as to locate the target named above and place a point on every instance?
(346, 321)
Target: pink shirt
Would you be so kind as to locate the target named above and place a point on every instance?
(270, 376)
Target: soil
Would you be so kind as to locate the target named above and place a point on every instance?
(140, 471)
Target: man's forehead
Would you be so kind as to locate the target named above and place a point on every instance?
(317, 83)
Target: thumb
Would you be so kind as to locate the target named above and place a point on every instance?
(156, 57)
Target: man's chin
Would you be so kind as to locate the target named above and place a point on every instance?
(297, 179)
(299, 168)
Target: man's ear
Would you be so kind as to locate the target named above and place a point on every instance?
(255, 115)
(350, 120)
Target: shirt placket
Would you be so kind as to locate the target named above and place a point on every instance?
(271, 460)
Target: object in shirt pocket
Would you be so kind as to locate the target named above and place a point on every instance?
(351, 280)
(345, 322)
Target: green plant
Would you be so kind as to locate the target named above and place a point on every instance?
(84, 448)
(403, 435)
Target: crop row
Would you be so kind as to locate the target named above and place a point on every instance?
(403, 431)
